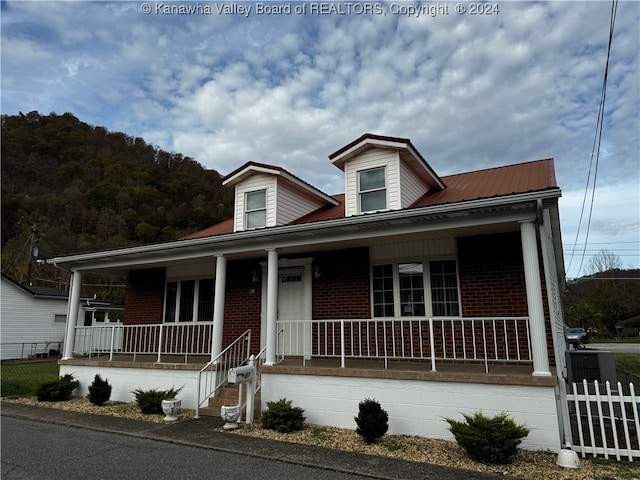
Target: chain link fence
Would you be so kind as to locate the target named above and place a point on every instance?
(23, 377)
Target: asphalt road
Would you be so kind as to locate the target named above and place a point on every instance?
(42, 451)
(616, 347)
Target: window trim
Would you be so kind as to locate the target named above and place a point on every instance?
(248, 211)
(195, 300)
(385, 189)
(426, 275)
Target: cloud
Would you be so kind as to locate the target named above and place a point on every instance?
(469, 91)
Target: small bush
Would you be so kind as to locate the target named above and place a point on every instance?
(58, 390)
(282, 417)
(372, 420)
(150, 401)
(99, 391)
(488, 440)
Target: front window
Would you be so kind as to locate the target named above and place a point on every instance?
(189, 301)
(383, 291)
(372, 190)
(444, 288)
(256, 209)
(411, 280)
(404, 288)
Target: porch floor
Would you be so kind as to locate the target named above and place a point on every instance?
(446, 371)
(469, 372)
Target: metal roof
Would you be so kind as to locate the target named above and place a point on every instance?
(490, 183)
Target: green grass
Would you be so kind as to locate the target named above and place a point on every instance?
(629, 362)
(23, 379)
(630, 339)
(319, 433)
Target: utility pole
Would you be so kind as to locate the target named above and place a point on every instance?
(33, 250)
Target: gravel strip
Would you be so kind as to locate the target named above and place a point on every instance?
(527, 464)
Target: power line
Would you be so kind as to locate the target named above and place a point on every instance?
(595, 150)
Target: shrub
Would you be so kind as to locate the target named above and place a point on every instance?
(372, 420)
(488, 440)
(150, 401)
(99, 391)
(57, 390)
(282, 417)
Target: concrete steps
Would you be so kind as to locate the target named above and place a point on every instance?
(228, 396)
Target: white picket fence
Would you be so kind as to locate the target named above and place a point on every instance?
(604, 421)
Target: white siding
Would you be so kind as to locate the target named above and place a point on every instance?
(437, 247)
(293, 205)
(372, 159)
(411, 186)
(418, 407)
(25, 319)
(251, 184)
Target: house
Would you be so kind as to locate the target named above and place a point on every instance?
(435, 295)
(33, 319)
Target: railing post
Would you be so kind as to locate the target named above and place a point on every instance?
(251, 390)
(197, 414)
(432, 345)
(484, 343)
(342, 355)
(160, 343)
(111, 343)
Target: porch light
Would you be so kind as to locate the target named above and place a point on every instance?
(254, 276)
(316, 271)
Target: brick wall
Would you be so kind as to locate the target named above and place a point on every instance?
(144, 296)
(342, 290)
(492, 280)
(242, 302)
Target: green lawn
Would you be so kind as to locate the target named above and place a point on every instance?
(630, 339)
(23, 379)
(629, 362)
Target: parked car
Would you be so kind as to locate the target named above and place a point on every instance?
(577, 337)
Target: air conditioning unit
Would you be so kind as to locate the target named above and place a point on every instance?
(591, 365)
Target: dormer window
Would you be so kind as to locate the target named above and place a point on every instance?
(372, 190)
(256, 209)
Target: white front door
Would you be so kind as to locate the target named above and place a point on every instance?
(293, 336)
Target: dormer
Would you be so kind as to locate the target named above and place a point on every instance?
(268, 196)
(383, 173)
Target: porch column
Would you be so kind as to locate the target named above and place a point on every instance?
(272, 306)
(534, 300)
(218, 305)
(72, 314)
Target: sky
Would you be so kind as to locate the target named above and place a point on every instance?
(471, 85)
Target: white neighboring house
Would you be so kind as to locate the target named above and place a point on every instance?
(32, 319)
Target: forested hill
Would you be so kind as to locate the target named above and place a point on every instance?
(69, 187)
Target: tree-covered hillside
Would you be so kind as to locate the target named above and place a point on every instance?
(69, 187)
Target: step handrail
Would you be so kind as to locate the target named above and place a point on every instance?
(215, 371)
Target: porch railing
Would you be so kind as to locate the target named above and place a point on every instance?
(214, 374)
(183, 339)
(485, 340)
